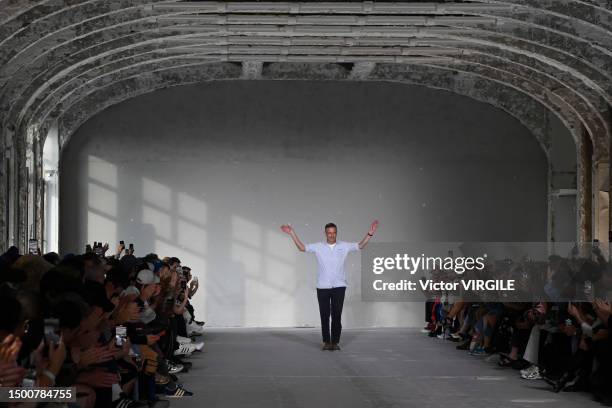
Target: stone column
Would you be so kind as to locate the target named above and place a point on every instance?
(585, 188)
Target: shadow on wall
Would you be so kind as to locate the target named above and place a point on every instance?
(173, 223)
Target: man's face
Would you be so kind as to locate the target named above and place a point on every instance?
(164, 272)
(147, 291)
(330, 233)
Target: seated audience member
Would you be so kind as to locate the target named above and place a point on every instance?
(107, 326)
(563, 340)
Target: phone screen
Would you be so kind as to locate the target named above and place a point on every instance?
(120, 335)
(33, 246)
(51, 331)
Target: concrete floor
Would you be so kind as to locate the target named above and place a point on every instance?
(376, 368)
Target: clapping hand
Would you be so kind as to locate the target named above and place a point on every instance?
(9, 349)
(98, 378)
(602, 309)
(96, 355)
(573, 311)
(123, 351)
(127, 312)
(11, 374)
(286, 228)
(603, 305)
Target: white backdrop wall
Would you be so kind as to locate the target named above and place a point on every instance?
(209, 172)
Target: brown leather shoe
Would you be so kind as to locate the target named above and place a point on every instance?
(326, 346)
(335, 346)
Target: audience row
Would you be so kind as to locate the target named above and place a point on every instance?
(118, 328)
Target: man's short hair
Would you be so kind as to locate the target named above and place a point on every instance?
(330, 225)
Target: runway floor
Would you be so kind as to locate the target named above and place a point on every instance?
(386, 368)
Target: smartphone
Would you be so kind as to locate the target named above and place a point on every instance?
(131, 247)
(51, 334)
(194, 278)
(120, 335)
(121, 243)
(588, 291)
(33, 246)
(88, 248)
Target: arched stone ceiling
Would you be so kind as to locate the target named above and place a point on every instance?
(65, 59)
(531, 113)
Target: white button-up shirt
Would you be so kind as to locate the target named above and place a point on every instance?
(331, 262)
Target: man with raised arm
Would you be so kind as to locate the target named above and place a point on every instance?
(331, 278)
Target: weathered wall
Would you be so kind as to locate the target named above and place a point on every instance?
(208, 173)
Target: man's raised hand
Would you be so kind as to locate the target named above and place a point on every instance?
(373, 227)
(288, 229)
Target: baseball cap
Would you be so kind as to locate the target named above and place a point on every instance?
(154, 265)
(147, 277)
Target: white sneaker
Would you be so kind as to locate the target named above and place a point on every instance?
(529, 370)
(531, 373)
(183, 340)
(185, 350)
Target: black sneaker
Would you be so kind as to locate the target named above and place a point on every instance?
(335, 346)
(125, 402)
(177, 392)
(464, 346)
(184, 363)
(520, 364)
(159, 403)
(453, 339)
